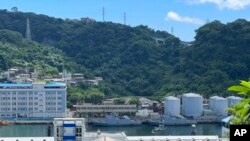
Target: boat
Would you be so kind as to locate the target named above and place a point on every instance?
(4, 122)
(171, 120)
(112, 120)
(160, 129)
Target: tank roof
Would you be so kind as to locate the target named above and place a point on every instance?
(191, 95)
(171, 98)
(212, 97)
(219, 98)
(234, 97)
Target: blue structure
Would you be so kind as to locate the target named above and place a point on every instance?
(69, 129)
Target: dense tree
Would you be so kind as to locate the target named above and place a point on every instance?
(94, 96)
(127, 58)
(134, 101)
(16, 52)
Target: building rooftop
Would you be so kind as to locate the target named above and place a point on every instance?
(51, 84)
(14, 85)
(55, 84)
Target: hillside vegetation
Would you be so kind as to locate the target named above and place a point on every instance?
(15, 51)
(130, 61)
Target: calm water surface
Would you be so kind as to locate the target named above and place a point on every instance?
(41, 130)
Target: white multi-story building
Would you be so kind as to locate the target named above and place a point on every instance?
(39, 100)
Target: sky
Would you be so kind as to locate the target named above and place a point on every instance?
(183, 16)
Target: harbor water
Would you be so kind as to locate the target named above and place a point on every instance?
(37, 130)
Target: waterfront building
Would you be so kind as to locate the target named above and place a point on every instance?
(39, 100)
(88, 109)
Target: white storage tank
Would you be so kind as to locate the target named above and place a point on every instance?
(172, 106)
(192, 105)
(233, 100)
(211, 102)
(220, 106)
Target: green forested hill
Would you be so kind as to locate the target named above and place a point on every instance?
(15, 51)
(130, 61)
(220, 56)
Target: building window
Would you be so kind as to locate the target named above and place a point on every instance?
(78, 131)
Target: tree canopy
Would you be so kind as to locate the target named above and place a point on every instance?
(241, 111)
(128, 58)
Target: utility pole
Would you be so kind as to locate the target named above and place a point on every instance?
(124, 18)
(103, 14)
(28, 32)
(172, 30)
(207, 21)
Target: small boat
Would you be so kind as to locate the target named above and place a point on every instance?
(4, 122)
(159, 129)
(112, 120)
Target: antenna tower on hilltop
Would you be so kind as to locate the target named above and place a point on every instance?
(103, 14)
(172, 30)
(28, 33)
(124, 18)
